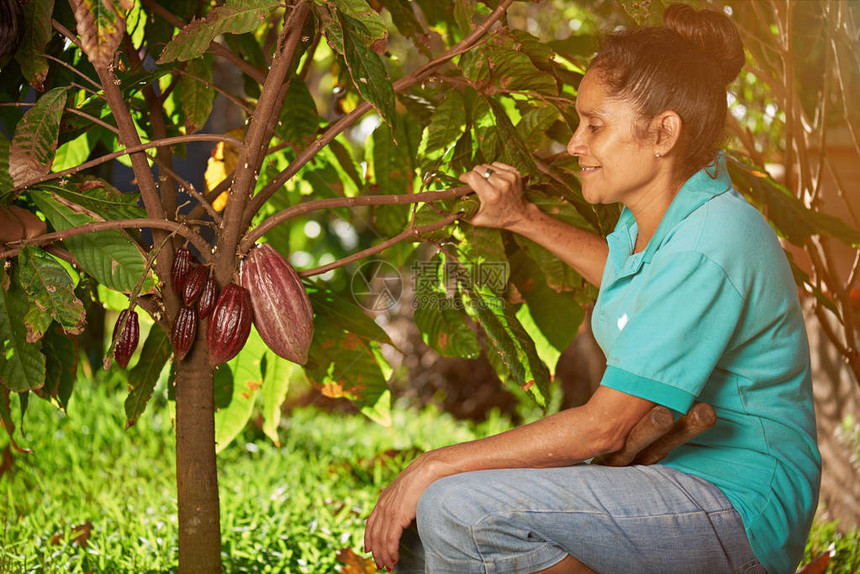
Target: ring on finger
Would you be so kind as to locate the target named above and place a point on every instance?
(487, 173)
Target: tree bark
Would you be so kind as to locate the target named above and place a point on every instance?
(196, 471)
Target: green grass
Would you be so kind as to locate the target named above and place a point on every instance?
(283, 509)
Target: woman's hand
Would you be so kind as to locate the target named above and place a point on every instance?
(502, 202)
(395, 510)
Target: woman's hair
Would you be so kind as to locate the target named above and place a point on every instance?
(684, 67)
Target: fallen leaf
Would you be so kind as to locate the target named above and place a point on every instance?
(353, 563)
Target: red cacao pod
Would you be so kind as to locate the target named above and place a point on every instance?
(194, 284)
(128, 338)
(208, 298)
(230, 324)
(184, 331)
(282, 310)
(181, 267)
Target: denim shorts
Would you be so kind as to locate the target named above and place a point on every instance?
(634, 519)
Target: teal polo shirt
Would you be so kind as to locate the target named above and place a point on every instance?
(709, 312)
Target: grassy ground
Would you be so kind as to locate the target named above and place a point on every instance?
(95, 498)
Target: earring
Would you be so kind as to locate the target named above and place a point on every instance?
(657, 154)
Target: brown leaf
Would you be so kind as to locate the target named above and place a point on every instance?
(353, 563)
(101, 25)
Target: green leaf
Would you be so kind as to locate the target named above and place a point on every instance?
(446, 127)
(559, 275)
(99, 197)
(403, 17)
(374, 34)
(394, 172)
(345, 365)
(233, 17)
(247, 379)
(276, 383)
(547, 352)
(35, 143)
(338, 309)
(511, 350)
(109, 256)
(101, 26)
(511, 147)
(346, 162)
(22, 365)
(30, 55)
(534, 123)
(51, 292)
(366, 68)
(441, 319)
(299, 119)
(555, 313)
(516, 71)
(143, 377)
(483, 258)
(61, 371)
(196, 95)
(464, 15)
(72, 153)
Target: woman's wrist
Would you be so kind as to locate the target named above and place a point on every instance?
(530, 220)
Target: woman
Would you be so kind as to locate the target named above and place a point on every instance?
(697, 302)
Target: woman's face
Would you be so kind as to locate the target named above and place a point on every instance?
(616, 165)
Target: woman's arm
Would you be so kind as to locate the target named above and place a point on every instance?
(503, 206)
(563, 439)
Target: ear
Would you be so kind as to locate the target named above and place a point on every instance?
(667, 130)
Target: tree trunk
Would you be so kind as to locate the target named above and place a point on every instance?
(196, 471)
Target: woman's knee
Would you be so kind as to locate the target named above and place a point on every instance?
(446, 512)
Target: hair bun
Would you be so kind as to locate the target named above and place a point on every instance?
(710, 31)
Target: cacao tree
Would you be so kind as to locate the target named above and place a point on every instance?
(354, 115)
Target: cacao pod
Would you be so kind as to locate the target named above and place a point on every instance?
(179, 270)
(230, 324)
(194, 283)
(184, 331)
(128, 338)
(208, 298)
(282, 310)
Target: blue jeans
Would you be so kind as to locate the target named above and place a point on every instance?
(633, 519)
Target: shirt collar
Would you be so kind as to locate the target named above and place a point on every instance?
(708, 182)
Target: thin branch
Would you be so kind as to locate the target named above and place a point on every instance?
(341, 124)
(11, 248)
(130, 150)
(93, 119)
(334, 202)
(413, 233)
(73, 69)
(70, 36)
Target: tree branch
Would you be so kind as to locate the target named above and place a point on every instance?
(259, 133)
(10, 249)
(411, 233)
(360, 200)
(129, 150)
(341, 124)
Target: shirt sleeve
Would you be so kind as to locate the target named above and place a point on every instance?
(675, 331)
